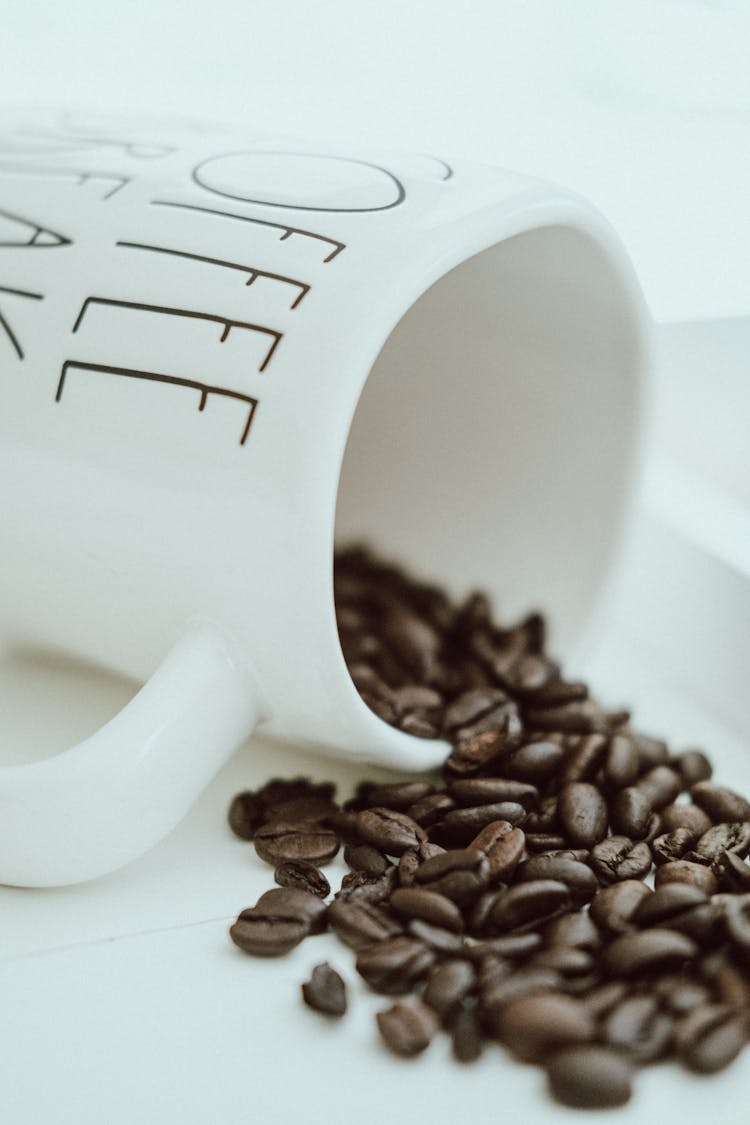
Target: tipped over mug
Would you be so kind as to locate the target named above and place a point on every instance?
(223, 351)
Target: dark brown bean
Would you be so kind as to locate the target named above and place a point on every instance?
(408, 865)
(535, 762)
(504, 846)
(577, 877)
(661, 785)
(618, 857)
(621, 764)
(467, 1040)
(436, 909)
(470, 755)
(651, 751)
(672, 845)
(612, 908)
(278, 922)
(719, 803)
(531, 1026)
(398, 795)
(723, 838)
(396, 965)
(605, 997)
(491, 790)
(471, 706)
(246, 814)
(693, 766)
(638, 1028)
(644, 951)
(279, 842)
(325, 991)
(692, 818)
(459, 827)
(630, 813)
(428, 810)
(437, 937)
(303, 876)
(733, 873)
(460, 874)
(666, 902)
(709, 1038)
(363, 857)
(574, 930)
(737, 919)
(680, 994)
(585, 717)
(682, 871)
(524, 982)
(589, 1077)
(448, 985)
(568, 961)
(530, 904)
(583, 813)
(511, 946)
(360, 924)
(391, 832)
(407, 1029)
(583, 758)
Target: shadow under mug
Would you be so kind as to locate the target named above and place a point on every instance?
(221, 354)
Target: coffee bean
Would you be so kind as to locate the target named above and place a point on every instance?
(737, 919)
(303, 876)
(436, 909)
(544, 842)
(651, 751)
(325, 991)
(589, 1077)
(644, 951)
(429, 810)
(292, 902)
(680, 994)
(732, 988)
(723, 838)
(605, 997)
(459, 827)
(504, 846)
(470, 755)
(535, 762)
(492, 790)
(471, 706)
(279, 790)
(583, 813)
(460, 875)
(532, 1026)
(583, 758)
(360, 924)
(394, 966)
(693, 766)
(695, 820)
(719, 803)
(669, 900)
(390, 831)
(467, 1040)
(438, 938)
(278, 922)
(621, 763)
(682, 871)
(277, 843)
(363, 857)
(574, 930)
(672, 845)
(638, 1028)
(448, 986)
(407, 867)
(301, 812)
(630, 813)
(407, 1029)
(619, 857)
(524, 982)
(530, 904)
(362, 888)
(511, 946)
(568, 961)
(399, 795)
(577, 877)
(733, 873)
(584, 717)
(709, 1038)
(612, 908)
(246, 814)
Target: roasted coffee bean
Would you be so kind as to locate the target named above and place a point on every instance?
(621, 763)
(325, 991)
(585, 717)
(292, 902)
(530, 904)
(407, 867)
(644, 951)
(461, 875)
(693, 766)
(695, 820)
(407, 1029)
(577, 877)
(246, 814)
(360, 924)
(638, 1028)
(437, 937)
(612, 908)
(544, 842)
(301, 811)
(618, 857)
(396, 965)
(583, 758)
(568, 961)
(448, 986)
(665, 903)
(470, 755)
(467, 1041)
(510, 946)
(459, 827)
(390, 831)
(672, 845)
(436, 909)
(661, 785)
(737, 920)
(419, 699)
(723, 838)
(474, 791)
(605, 997)
(278, 843)
(535, 762)
(399, 795)
(682, 871)
(278, 922)
(504, 846)
(709, 1038)
(589, 1077)
(524, 982)
(532, 1026)
(573, 930)
(651, 751)
(279, 790)
(732, 988)
(413, 640)
(583, 813)
(719, 803)
(680, 994)
(733, 873)
(428, 810)
(363, 857)
(630, 813)
(303, 876)
(362, 888)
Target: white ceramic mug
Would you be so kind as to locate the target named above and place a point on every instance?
(198, 329)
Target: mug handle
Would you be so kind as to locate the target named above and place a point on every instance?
(95, 807)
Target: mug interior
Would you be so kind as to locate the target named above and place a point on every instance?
(495, 440)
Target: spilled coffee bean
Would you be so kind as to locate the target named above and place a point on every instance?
(510, 901)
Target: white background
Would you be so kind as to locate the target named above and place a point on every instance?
(123, 1000)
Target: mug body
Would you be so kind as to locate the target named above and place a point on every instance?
(223, 352)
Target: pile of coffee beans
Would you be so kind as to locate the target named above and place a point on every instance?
(568, 887)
